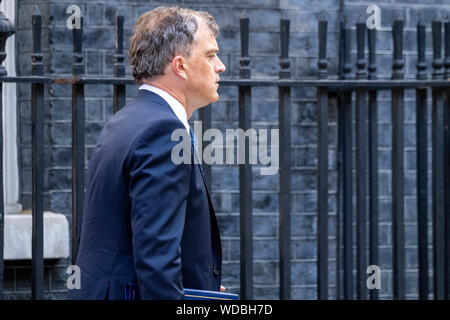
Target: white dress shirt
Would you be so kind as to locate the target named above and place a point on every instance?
(176, 106)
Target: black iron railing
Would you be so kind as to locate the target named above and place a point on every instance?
(364, 87)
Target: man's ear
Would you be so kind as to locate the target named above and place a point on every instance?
(178, 66)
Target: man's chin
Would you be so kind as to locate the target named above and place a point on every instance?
(210, 100)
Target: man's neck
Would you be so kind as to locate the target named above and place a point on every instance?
(179, 96)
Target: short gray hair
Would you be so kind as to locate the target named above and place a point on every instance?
(161, 34)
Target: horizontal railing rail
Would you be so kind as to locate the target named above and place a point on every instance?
(256, 82)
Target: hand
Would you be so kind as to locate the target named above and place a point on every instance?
(222, 288)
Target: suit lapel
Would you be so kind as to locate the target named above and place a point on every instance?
(146, 94)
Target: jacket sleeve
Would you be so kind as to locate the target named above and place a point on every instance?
(158, 191)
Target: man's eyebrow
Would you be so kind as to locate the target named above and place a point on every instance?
(212, 51)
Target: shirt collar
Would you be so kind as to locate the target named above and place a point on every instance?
(176, 106)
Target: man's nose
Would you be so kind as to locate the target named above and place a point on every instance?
(220, 67)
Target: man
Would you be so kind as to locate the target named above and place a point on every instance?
(148, 223)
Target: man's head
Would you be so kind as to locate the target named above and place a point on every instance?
(176, 49)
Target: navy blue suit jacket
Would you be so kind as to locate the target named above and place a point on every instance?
(146, 220)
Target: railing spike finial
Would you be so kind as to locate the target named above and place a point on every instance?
(323, 62)
(36, 56)
(6, 30)
(360, 44)
(398, 62)
(344, 61)
(285, 63)
(372, 67)
(421, 63)
(119, 67)
(438, 63)
(244, 71)
(119, 57)
(78, 65)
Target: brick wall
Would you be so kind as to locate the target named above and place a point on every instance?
(98, 47)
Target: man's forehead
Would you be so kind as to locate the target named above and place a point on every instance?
(203, 28)
(204, 36)
(207, 45)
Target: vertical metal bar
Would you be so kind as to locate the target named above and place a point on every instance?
(119, 68)
(422, 165)
(284, 118)
(438, 168)
(6, 30)
(373, 158)
(37, 124)
(245, 171)
(447, 159)
(322, 167)
(2, 208)
(361, 166)
(398, 249)
(78, 153)
(340, 176)
(345, 146)
(205, 118)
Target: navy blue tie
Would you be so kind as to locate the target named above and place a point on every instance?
(194, 146)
